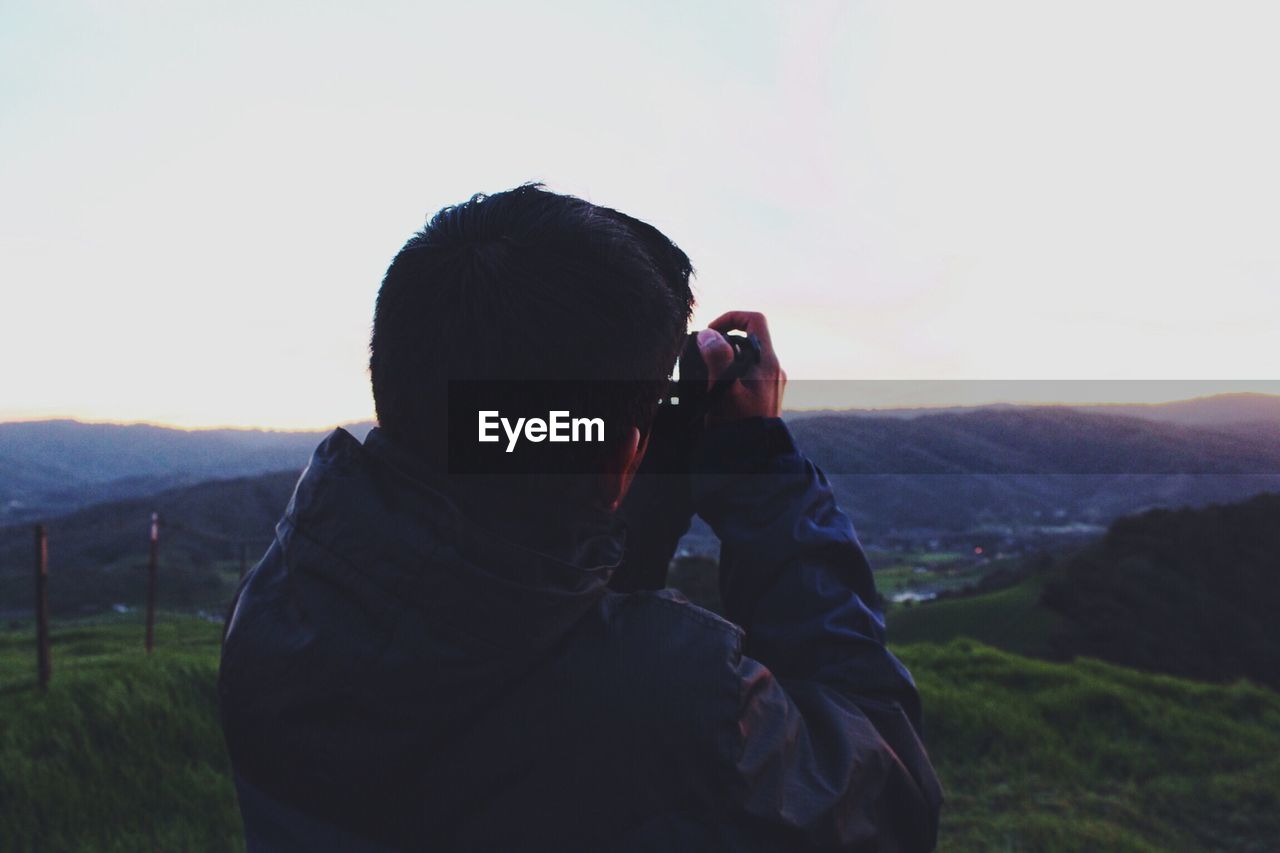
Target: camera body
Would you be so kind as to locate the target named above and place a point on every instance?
(690, 393)
(659, 507)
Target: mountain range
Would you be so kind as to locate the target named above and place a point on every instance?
(900, 469)
(50, 468)
(1011, 467)
(1230, 410)
(1008, 472)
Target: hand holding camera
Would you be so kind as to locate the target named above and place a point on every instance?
(759, 389)
(724, 377)
(728, 372)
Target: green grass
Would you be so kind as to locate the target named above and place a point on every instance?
(1010, 618)
(1091, 756)
(943, 571)
(889, 559)
(124, 752)
(182, 585)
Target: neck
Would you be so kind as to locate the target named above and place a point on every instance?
(548, 520)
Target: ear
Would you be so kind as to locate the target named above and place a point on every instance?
(622, 467)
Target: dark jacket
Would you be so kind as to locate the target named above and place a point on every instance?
(396, 676)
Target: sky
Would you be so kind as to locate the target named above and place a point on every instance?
(197, 203)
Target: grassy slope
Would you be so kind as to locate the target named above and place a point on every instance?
(1090, 756)
(1010, 619)
(124, 752)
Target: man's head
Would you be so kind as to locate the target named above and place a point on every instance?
(525, 286)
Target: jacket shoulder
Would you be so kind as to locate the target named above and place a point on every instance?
(673, 651)
(687, 623)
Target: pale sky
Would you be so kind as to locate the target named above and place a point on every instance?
(197, 201)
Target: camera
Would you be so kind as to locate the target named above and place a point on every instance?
(659, 507)
(688, 397)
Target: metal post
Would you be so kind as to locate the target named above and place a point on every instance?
(151, 581)
(44, 664)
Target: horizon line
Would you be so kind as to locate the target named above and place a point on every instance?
(913, 407)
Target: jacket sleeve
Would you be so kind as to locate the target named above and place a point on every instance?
(825, 740)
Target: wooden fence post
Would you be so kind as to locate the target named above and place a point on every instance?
(151, 581)
(44, 664)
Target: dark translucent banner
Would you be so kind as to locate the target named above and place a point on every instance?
(890, 427)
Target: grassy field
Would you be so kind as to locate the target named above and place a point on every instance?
(934, 571)
(1090, 756)
(1010, 618)
(124, 752)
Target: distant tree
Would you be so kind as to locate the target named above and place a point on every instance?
(1191, 592)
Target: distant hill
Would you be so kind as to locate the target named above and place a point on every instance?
(1191, 592)
(1015, 467)
(98, 555)
(1217, 410)
(1033, 440)
(954, 470)
(48, 468)
(1008, 475)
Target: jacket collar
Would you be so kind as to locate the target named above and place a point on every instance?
(398, 542)
(593, 541)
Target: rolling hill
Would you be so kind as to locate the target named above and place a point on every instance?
(1189, 592)
(98, 555)
(49, 468)
(1216, 411)
(1018, 476)
(1166, 452)
(1030, 467)
(1192, 592)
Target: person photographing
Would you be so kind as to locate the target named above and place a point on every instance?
(452, 647)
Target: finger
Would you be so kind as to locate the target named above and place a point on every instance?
(717, 353)
(751, 322)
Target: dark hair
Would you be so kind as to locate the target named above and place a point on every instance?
(521, 285)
